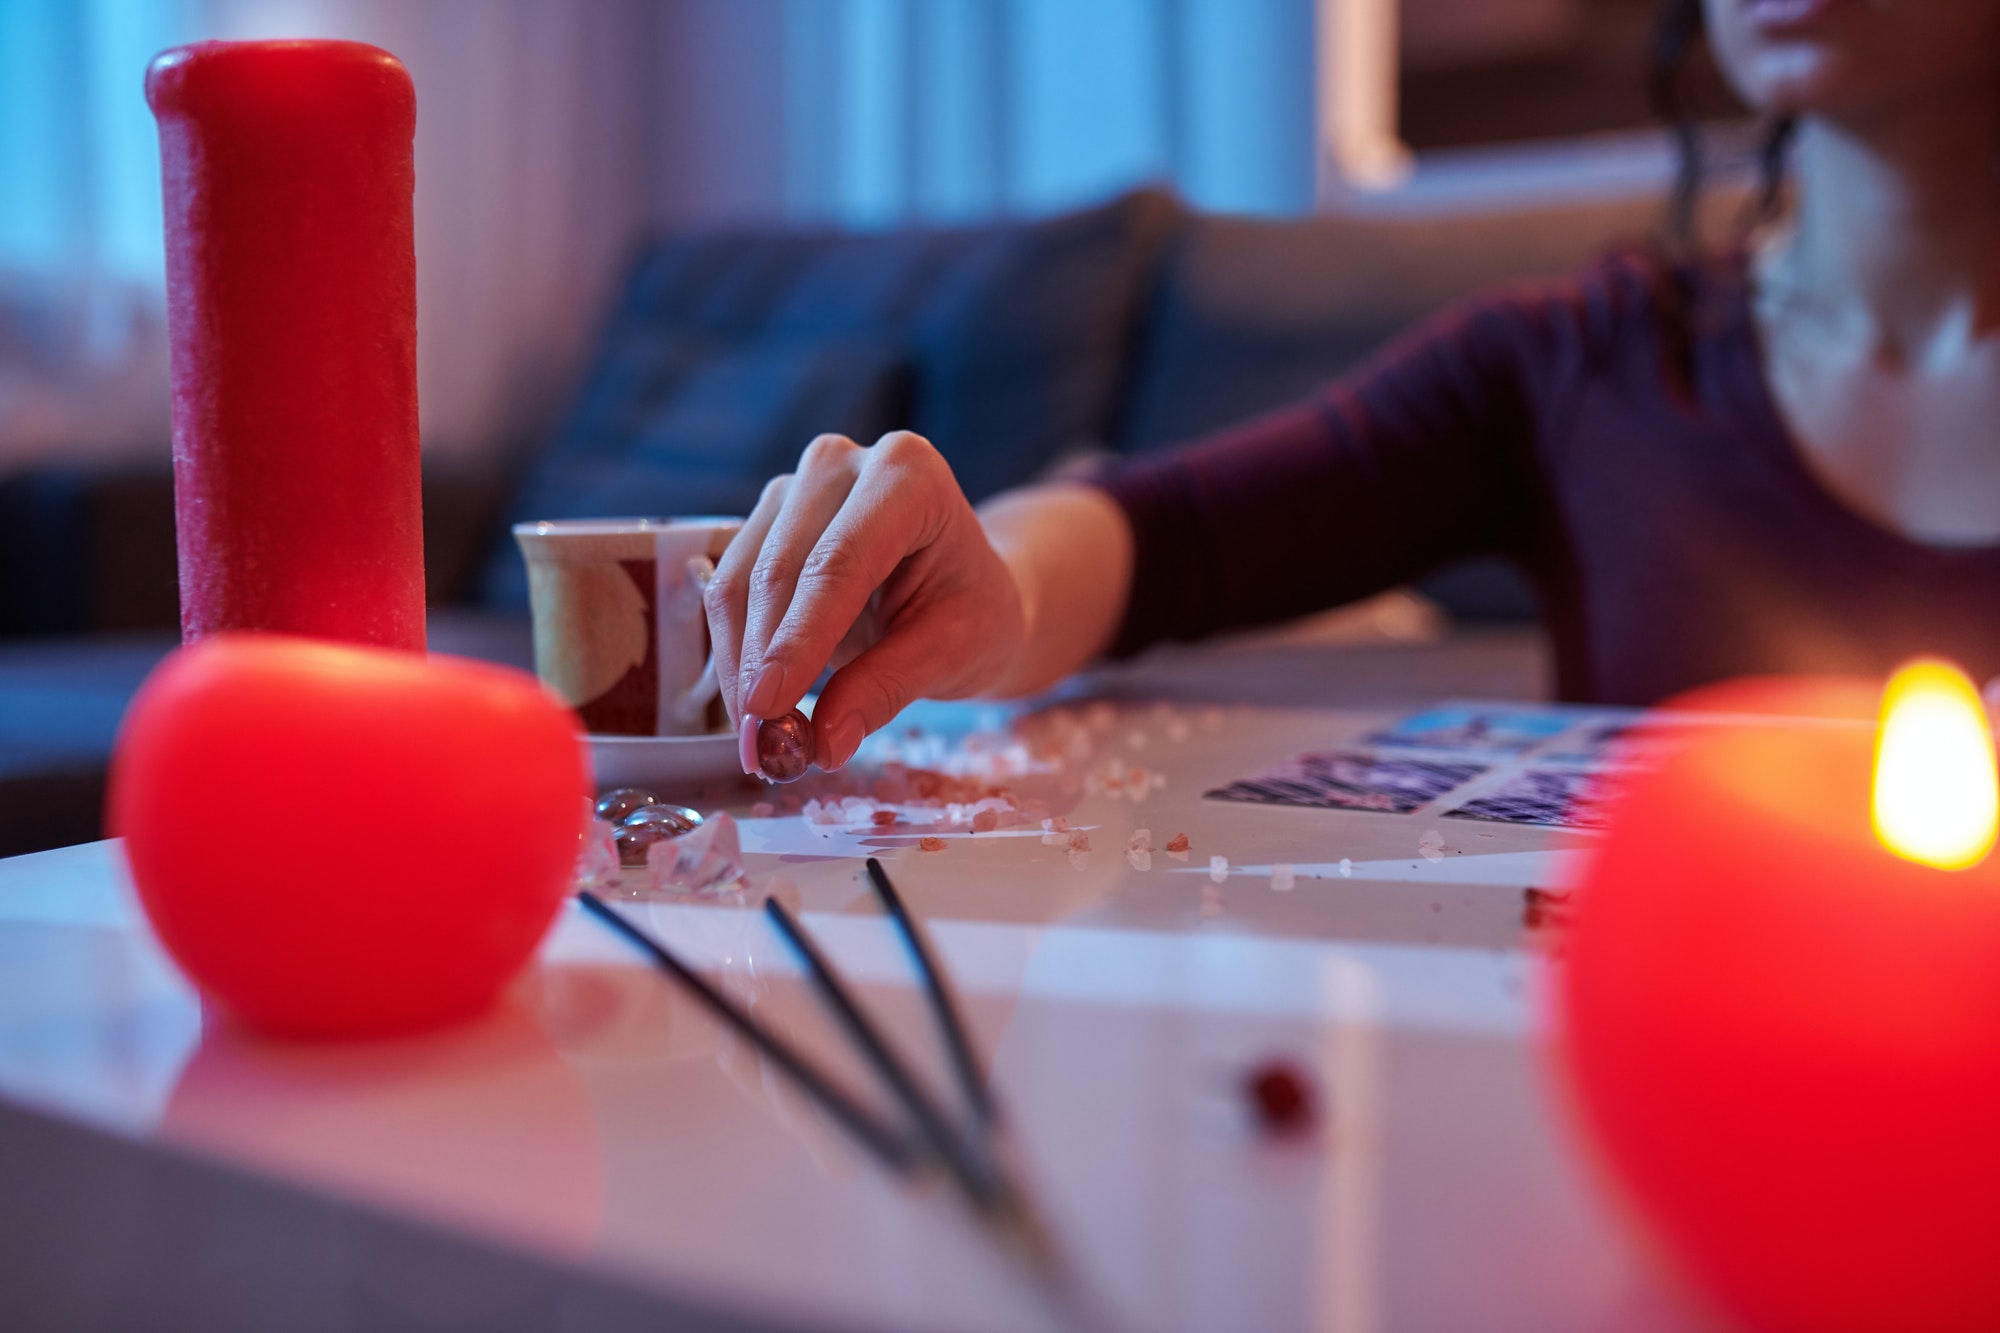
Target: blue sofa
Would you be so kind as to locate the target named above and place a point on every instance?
(1015, 347)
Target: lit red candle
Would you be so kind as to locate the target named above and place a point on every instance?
(1780, 1004)
(291, 294)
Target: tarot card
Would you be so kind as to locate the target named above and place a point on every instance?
(1350, 781)
(1620, 742)
(1474, 728)
(1564, 797)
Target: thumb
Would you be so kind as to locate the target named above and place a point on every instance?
(865, 695)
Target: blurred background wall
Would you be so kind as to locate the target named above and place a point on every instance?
(551, 135)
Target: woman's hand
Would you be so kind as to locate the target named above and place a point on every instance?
(873, 561)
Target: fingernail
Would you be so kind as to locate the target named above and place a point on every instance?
(839, 742)
(763, 696)
(746, 743)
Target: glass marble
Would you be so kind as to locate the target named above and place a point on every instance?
(785, 746)
(650, 824)
(617, 806)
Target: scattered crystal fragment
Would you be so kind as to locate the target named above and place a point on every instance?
(615, 806)
(1055, 824)
(597, 856)
(1545, 907)
(1140, 841)
(1218, 869)
(1346, 868)
(1431, 844)
(763, 810)
(985, 821)
(1178, 844)
(1280, 1096)
(931, 844)
(708, 859)
(1283, 878)
(785, 747)
(883, 818)
(1079, 841)
(1139, 858)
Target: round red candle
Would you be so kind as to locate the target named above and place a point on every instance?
(339, 841)
(292, 315)
(1785, 1037)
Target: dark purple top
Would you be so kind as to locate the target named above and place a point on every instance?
(1630, 459)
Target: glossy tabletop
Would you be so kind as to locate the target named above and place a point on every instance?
(600, 1125)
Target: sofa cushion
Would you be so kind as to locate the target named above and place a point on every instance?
(729, 350)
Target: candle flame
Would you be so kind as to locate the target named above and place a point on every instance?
(1937, 800)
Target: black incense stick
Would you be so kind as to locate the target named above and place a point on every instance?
(956, 1039)
(974, 1174)
(893, 1148)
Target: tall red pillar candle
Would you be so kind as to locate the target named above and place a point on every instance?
(292, 314)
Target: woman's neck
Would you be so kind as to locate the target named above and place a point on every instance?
(1897, 229)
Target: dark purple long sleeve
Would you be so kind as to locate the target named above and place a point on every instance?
(1614, 435)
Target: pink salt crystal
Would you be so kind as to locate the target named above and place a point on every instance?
(1178, 844)
(1283, 878)
(1218, 869)
(1431, 844)
(884, 818)
(707, 860)
(985, 821)
(1079, 840)
(931, 844)
(1140, 841)
(597, 858)
(763, 810)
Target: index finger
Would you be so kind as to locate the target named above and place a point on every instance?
(887, 517)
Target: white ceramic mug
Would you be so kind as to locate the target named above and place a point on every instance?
(620, 632)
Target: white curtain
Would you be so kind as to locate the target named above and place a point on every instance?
(534, 139)
(921, 110)
(551, 134)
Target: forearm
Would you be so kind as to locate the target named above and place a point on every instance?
(1069, 548)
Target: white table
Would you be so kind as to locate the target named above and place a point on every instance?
(598, 1154)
